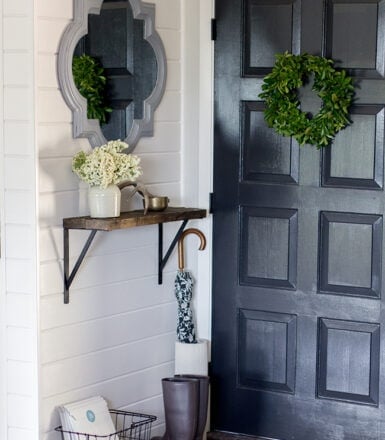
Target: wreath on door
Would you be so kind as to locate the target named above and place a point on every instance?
(283, 113)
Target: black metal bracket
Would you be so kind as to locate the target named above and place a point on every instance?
(69, 276)
(163, 260)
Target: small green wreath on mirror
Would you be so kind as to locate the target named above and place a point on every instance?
(283, 113)
(90, 80)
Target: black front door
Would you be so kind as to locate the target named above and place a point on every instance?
(298, 321)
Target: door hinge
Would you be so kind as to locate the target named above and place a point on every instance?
(211, 203)
(213, 29)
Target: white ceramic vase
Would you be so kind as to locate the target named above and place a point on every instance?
(191, 358)
(104, 202)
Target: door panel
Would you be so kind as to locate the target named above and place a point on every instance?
(258, 48)
(275, 158)
(267, 348)
(298, 233)
(350, 254)
(356, 47)
(268, 252)
(356, 159)
(348, 361)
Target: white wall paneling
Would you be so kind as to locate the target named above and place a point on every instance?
(197, 151)
(3, 308)
(19, 250)
(116, 337)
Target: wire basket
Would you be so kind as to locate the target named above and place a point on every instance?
(129, 426)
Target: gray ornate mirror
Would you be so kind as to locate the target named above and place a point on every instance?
(121, 36)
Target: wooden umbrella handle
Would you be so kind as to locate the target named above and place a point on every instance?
(195, 231)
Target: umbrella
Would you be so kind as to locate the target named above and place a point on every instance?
(183, 291)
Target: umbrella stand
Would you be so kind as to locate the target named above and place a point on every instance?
(183, 291)
(191, 355)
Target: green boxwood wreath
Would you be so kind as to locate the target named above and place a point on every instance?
(279, 90)
(91, 81)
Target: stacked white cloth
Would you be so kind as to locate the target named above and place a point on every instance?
(89, 416)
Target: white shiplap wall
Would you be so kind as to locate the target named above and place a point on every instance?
(19, 225)
(115, 338)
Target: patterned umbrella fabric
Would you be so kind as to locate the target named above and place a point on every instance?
(183, 292)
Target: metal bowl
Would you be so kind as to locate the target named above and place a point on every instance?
(157, 203)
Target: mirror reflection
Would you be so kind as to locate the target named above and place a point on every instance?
(128, 49)
(115, 40)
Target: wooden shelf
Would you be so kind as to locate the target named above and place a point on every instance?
(126, 220)
(132, 219)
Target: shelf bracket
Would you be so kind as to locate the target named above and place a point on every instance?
(126, 220)
(162, 261)
(69, 277)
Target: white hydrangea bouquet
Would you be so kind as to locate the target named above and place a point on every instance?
(106, 165)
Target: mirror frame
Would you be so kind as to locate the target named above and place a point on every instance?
(90, 128)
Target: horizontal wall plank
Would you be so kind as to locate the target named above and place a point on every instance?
(166, 139)
(158, 168)
(56, 140)
(51, 107)
(54, 8)
(20, 434)
(13, 96)
(21, 405)
(20, 377)
(16, 7)
(20, 310)
(16, 40)
(167, 14)
(173, 76)
(19, 206)
(51, 241)
(169, 108)
(17, 138)
(20, 276)
(171, 190)
(87, 337)
(53, 207)
(18, 69)
(97, 302)
(57, 175)
(53, 28)
(46, 71)
(20, 345)
(107, 364)
(19, 241)
(172, 43)
(102, 270)
(19, 173)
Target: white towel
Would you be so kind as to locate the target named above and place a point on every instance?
(89, 416)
